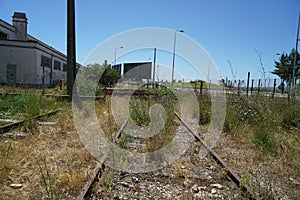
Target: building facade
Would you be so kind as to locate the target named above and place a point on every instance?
(135, 70)
(24, 60)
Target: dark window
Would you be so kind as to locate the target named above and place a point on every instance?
(64, 67)
(57, 64)
(45, 61)
(3, 36)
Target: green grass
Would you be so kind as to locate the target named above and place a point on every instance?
(262, 118)
(24, 106)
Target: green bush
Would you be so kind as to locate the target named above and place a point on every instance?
(204, 109)
(257, 115)
(290, 117)
(263, 139)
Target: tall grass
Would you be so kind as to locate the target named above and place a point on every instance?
(139, 112)
(26, 105)
(257, 117)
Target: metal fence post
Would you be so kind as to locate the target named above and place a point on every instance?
(274, 87)
(201, 87)
(248, 79)
(252, 86)
(258, 87)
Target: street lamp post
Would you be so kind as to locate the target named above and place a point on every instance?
(154, 63)
(173, 63)
(295, 59)
(116, 53)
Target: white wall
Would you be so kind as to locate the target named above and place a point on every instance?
(22, 57)
(27, 57)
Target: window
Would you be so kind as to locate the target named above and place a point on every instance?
(45, 61)
(3, 36)
(65, 67)
(57, 65)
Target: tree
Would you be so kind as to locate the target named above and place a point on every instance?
(111, 76)
(284, 67)
(87, 81)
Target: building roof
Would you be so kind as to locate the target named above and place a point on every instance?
(29, 37)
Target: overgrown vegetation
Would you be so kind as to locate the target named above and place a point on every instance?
(92, 78)
(261, 118)
(25, 106)
(271, 125)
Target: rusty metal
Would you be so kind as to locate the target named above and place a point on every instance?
(84, 192)
(9, 126)
(97, 172)
(118, 135)
(234, 177)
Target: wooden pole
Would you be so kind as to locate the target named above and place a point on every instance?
(71, 49)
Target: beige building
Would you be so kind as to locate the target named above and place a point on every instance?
(24, 58)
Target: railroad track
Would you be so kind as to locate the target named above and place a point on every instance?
(158, 177)
(7, 127)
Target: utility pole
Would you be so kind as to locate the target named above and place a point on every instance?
(295, 59)
(154, 63)
(71, 48)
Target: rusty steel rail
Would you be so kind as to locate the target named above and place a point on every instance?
(86, 190)
(8, 127)
(97, 172)
(118, 135)
(234, 177)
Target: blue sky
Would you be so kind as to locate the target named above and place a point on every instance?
(227, 30)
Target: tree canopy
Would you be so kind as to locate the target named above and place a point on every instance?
(284, 67)
(88, 76)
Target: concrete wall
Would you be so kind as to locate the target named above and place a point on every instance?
(22, 56)
(55, 74)
(27, 58)
(8, 29)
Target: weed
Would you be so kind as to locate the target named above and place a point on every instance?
(264, 140)
(5, 165)
(107, 181)
(205, 109)
(124, 140)
(139, 112)
(48, 180)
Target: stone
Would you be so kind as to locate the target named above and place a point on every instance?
(195, 189)
(16, 185)
(202, 187)
(135, 179)
(199, 196)
(47, 123)
(213, 191)
(217, 185)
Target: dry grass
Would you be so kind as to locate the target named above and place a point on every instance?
(272, 176)
(50, 163)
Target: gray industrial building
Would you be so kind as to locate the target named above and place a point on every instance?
(135, 70)
(24, 58)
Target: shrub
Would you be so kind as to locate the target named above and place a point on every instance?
(263, 139)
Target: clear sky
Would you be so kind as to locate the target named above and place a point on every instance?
(228, 30)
